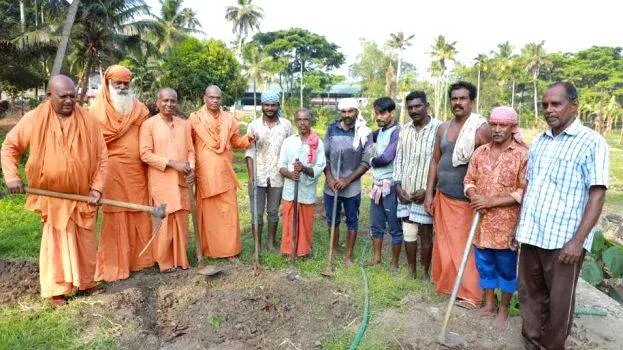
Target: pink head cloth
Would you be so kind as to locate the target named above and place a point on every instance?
(506, 115)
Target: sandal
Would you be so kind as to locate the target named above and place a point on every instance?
(58, 301)
(462, 303)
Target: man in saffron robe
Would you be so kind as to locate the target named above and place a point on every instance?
(452, 214)
(215, 133)
(166, 146)
(124, 231)
(301, 159)
(67, 154)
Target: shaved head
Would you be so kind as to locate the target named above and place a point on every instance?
(62, 95)
(167, 102)
(214, 89)
(60, 82)
(165, 92)
(212, 98)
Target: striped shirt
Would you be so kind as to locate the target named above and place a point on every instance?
(415, 150)
(561, 170)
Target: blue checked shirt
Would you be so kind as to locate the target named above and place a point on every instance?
(561, 170)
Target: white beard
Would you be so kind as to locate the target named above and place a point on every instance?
(122, 103)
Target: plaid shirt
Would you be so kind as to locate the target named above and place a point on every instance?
(561, 170)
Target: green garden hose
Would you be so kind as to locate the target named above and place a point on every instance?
(590, 312)
(366, 302)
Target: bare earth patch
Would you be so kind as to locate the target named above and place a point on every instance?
(18, 278)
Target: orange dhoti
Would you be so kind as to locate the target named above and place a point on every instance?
(452, 220)
(124, 234)
(305, 228)
(170, 245)
(66, 259)
(217, 217)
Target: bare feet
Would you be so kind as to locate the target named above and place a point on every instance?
(488, 310)
(58, 301)
(348, 261)
(272, 248)
(426, 277)
(500, 322)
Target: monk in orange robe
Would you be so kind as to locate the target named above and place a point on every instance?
(124, 231)
(215, 133)
(67, 154)
(167, 147)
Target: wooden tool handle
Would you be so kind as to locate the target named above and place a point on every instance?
(81, 198)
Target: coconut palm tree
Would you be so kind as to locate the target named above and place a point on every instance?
(173, 25)
(62, 46)
(257, 65)
(245, 18)
(443, 52)
(104, 33)
(535, 59)
(398, 42)
(481, 61)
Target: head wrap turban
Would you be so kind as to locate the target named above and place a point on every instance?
(270, 96)
(118, 73)
(507, 116)
(361, 129)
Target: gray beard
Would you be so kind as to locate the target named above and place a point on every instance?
(121, 103)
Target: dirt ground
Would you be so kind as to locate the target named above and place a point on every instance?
(238, 310)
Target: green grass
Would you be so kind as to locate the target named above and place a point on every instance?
(20, 229)
(40, 327)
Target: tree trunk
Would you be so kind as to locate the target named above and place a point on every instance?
(398, 71)
(478, 93)
(301, 102)
(254, 101)
(36, 15)
(22, 15)
(62, 46)
(445, 98)
(513, 95)
(536, 108)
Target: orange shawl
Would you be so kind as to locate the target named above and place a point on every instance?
(63, 161)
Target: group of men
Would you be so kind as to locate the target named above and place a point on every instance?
(116, 151)
(428, 176)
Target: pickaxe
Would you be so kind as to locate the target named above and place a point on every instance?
(158, 212)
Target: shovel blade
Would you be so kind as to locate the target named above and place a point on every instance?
(210, 270)
(453, 341)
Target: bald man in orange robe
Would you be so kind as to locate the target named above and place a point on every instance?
(167, 147)
(67, 154)
(215, 133)
(124, 232)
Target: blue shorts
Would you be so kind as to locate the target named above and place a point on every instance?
(351, 210)
(497, 268)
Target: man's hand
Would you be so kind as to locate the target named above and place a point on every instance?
(341, 184)
(331, 183)
(298, 166)
(190, 176)
(571, 252)
(294, 175)
(512, 242)
(428, 204)
(15, 187)
(96, 197)
(480, 203)
(402, 195)
(418, 196)
(180, 166)
(252, 138)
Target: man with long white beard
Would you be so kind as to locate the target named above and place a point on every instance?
(124, 232)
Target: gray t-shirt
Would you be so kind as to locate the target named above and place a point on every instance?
(338, 140)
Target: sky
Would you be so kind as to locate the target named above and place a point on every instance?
(477, 26)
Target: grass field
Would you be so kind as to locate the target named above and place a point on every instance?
(31, 324)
